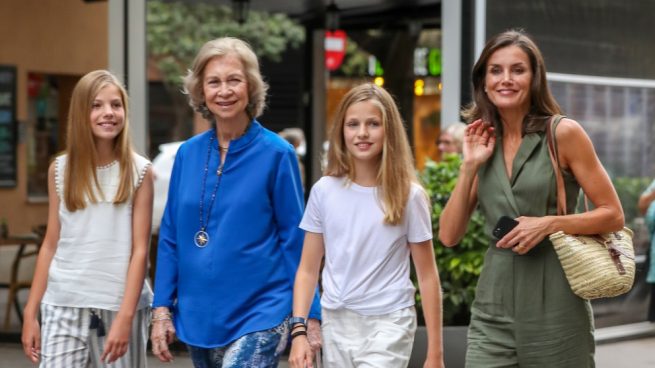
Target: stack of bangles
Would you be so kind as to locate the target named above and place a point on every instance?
(164, 316)
(298, 329)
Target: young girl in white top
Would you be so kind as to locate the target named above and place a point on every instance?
(89, 277)
(367, 215)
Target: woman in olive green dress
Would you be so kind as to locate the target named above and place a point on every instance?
(524, 313)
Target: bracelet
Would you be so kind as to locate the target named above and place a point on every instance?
(297, 320)
(298, 333)
(298, 325)
(161, 317)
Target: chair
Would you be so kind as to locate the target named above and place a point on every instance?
(14, 285)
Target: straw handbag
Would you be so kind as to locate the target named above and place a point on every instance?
(596, 266)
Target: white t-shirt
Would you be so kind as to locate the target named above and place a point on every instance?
(366, 261)
(89, 268)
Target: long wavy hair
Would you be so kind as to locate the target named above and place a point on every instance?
(396, 171)
(80, 179)
(542, 102)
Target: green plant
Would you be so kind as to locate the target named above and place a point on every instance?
(177, 30)
(459, 266)
(629, 189)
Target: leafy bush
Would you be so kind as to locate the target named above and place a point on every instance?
(177, 30)
(459, 266)
(629, 189)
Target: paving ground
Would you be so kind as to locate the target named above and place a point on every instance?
(11, 356)
(634, 354)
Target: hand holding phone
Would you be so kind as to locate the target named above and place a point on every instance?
(504, 225)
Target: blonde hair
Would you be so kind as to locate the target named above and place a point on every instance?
(80, 173)
(220, 47)
(396, 171)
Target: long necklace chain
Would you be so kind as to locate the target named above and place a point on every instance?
(201, 238)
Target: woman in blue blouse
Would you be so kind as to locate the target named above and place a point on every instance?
(229, 242)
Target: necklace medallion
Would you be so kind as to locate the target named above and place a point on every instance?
(201, 239)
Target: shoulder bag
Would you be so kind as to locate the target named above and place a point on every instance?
(596, 266)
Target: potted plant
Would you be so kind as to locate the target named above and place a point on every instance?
(459, 266)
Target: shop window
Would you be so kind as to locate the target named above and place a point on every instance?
(48, 97)
(375, 56)
(619, 120)
(618, 115)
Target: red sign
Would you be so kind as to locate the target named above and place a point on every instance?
(34, 83)
(335, 49)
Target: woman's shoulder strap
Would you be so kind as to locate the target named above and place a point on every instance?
(556, 121)
(554, 158)
(552, 127)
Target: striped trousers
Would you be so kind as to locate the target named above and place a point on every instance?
(68, 342)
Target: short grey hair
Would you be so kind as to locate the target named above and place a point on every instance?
(456, 130)
(219, 47)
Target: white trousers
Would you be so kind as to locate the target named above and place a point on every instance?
(352, 340)
(68, 342)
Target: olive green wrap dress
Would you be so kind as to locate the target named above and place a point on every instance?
(524, 313)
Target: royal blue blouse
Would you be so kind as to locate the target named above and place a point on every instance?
(242, 280)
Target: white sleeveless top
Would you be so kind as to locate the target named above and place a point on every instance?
(89, 268)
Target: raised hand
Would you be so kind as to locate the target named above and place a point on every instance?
(479, 142)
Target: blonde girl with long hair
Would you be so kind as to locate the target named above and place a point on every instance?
(89, 277)
(367, 215)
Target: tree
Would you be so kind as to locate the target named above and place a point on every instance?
(176, 31)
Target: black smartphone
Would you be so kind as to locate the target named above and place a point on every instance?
(504, 225)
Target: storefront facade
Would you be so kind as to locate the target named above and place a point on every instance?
(47, 45)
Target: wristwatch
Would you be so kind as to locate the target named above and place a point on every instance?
(296, 320)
